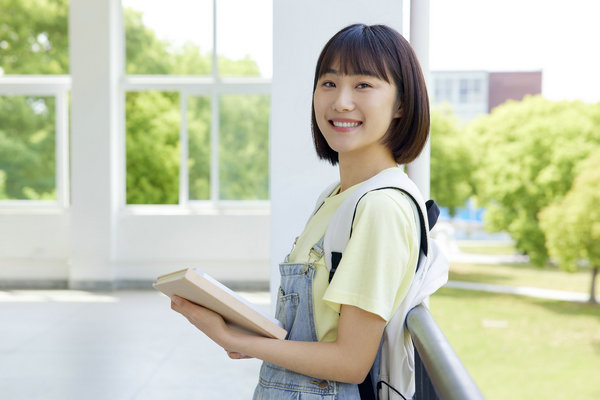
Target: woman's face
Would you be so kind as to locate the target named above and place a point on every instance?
(354, 112)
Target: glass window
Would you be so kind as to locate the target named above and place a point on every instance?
(199, 160)
(443, 90)
(463, 94)
(27, 148)
(222, 137)
(244, 147)
(152, 147)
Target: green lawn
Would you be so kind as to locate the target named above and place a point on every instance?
(523, 348)
(479, 247)
(523, 275)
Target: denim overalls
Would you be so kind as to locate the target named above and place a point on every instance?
(295, 311)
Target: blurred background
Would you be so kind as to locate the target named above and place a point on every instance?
(139, 137)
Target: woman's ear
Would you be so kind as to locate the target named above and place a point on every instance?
(398, 112)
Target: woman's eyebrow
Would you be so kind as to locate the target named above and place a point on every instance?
(361, 73)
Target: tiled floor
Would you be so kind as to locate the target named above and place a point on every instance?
(61, 345)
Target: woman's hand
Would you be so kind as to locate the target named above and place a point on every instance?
(208, 321)
(212, 324)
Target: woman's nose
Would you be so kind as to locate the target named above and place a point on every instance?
(343, 101)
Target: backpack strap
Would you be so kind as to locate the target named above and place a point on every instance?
(339, 229)
(325, 194)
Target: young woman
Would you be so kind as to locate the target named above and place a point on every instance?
(370, 113)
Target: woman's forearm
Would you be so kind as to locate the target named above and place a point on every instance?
(348, 359)
(322, 360)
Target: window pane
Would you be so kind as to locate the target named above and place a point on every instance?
(198, 124)
(152, 147)
(27, 148)
(245, 37)
(168, 37)
(244, 147)
(34, 37)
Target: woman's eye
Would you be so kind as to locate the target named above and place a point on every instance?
(363, 85)
(328, 84)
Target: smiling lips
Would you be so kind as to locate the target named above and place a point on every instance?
(344, 124)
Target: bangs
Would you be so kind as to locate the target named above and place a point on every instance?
(355, 52)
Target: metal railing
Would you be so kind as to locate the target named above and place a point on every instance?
(439, 373)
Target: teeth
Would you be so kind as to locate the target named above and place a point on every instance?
(345, 124)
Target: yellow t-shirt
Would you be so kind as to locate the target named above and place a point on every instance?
(378, 264)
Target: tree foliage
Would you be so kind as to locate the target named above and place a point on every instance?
(451, 161)
(27, 143)
(34, 36)
(527, 154)
(572, 224)
(243, 147)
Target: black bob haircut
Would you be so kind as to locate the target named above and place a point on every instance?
(380, 51)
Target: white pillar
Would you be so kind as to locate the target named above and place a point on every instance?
(418, 170)
(95, 60)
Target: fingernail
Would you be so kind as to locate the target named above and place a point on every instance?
(176, 300)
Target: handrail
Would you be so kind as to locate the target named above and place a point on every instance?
(446, 372)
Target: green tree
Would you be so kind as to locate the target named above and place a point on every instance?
(199, 161)
(27, 147)
(572, 224)
(451, 161)
(34, 36)
(152, 147)
(526, 155)
(243, 147)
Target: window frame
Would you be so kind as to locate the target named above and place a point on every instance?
(212, 86)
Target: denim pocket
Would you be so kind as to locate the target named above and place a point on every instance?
(287, 308)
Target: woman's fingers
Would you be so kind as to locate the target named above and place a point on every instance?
(209, 322)
(236, 356)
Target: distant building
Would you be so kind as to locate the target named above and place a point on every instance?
(472, 93)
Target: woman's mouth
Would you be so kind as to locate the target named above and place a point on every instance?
(344, 124)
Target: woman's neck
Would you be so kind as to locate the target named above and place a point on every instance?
(354, 170)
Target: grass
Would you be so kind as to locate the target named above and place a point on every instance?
(523, 275)
(523, 348)
(494, 248)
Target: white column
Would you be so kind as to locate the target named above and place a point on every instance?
(95, 60)
(300, 30)
(418, 170)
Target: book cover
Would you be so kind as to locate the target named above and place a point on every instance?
(200, 288)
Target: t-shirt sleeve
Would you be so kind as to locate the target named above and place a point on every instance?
(380, 258)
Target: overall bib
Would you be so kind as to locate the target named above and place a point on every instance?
(295, 311)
